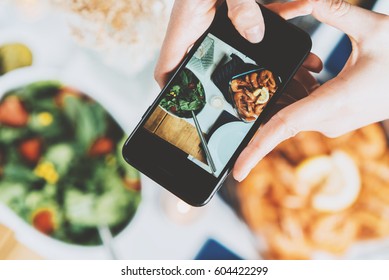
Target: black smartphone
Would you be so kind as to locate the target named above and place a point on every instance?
(190, 137)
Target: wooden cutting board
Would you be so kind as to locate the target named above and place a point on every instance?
(177, 132)
(11, 249)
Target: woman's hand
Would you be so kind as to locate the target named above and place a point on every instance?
(358, 96)
(190, 19)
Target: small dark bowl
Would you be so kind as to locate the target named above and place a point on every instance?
(259, 70)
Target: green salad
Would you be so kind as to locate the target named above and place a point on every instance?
(186, 95)
(61, 168)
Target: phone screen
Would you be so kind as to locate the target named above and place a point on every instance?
(221, 90)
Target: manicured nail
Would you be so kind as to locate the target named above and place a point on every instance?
(238, 178)
(241, 176)
(254, 34)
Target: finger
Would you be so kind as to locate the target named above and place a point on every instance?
(302, 84)
(247, 19)
(284, 125)
(291, 10)
(312, 113)
(265, 140)
(296, 89)
(313, 63)
(305, 78)
(293, 92)
(179, 38)
(287, 119)
(354, 21)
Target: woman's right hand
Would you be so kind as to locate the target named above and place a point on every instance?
(191, 18)
(358, 96)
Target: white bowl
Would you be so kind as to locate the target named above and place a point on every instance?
(46, 246)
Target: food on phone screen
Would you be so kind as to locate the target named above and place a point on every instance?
(251, 92)
(187, 94)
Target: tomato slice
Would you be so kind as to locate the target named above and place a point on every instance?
(12, 112)
(31, 149)
(101, 146)
(43, 220)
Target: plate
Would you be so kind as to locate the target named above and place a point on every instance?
(224, 142)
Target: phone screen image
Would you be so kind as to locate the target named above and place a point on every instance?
(211, 104)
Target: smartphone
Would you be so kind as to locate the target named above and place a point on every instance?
(189, 138)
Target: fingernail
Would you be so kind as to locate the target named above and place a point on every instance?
(238, 178)
(241, 176)
(254, 34)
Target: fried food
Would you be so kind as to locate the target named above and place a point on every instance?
(252, 92)
(315, 194)
(333, 181)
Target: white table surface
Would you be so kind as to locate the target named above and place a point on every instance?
(152, 234)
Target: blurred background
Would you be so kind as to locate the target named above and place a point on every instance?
(75, 79)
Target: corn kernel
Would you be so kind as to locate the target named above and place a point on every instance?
(45, 118)
(46, 170)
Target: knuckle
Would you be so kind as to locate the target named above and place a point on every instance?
(286, 125)
(256, 145)
(339, 7)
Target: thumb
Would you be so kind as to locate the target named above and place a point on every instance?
(247, 19)
(352, 20)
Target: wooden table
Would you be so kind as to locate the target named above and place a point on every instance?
(176, 131)
(10, 249)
